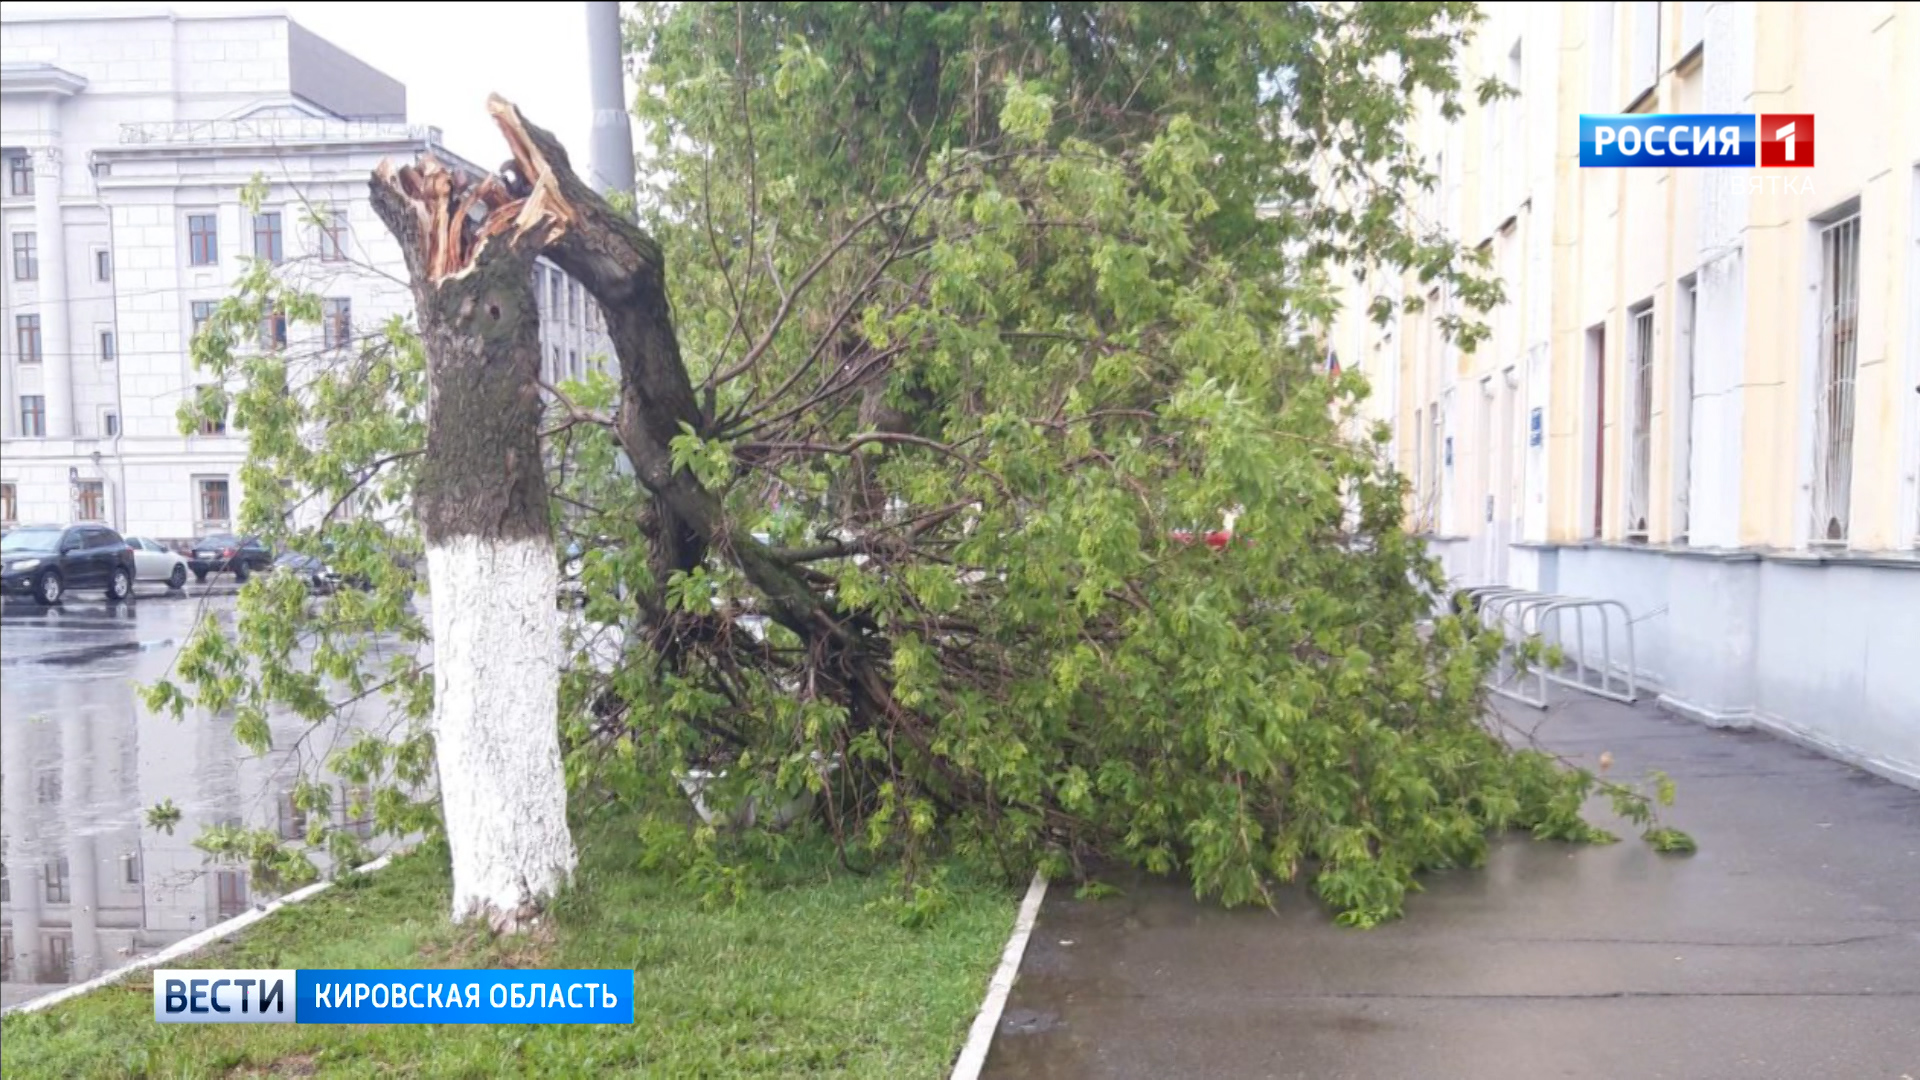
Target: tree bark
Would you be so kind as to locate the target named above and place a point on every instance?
(470, 245)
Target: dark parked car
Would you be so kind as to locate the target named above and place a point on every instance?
(223, 553)
(46, 561)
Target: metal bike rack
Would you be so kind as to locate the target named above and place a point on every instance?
(1521, 615)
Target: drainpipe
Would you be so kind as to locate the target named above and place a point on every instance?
(119, 350)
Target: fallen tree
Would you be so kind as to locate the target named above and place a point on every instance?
(979, 314)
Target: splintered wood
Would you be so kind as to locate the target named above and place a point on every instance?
(456, 213)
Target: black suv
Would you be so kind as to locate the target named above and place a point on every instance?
(45, 561)
(220, 553)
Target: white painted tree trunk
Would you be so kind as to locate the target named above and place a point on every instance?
(496, 680)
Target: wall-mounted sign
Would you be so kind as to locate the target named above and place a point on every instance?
(1533, 428)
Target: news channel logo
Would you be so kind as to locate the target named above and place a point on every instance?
(191, 996)
(1697, 141)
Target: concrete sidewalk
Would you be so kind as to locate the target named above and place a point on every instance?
(1788, 947)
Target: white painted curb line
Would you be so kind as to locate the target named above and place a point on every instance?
(214, 933)
(973, 1056)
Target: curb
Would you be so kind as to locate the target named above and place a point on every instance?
(973, 1056)
(185, 946)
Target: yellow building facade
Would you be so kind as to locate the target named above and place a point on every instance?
(1702, 396)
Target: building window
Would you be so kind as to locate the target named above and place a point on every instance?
(333, 237)
(59, 965)
(106, 347)
(1834, 379)
(130, 868)
(33, 416)
(59, 888)
(203, 239)
(1644, 60)
(266, 237)
(1640, 420)
(26, 338)
(1596, 446)
(573, 301)
(214, 426)
(102, 265)
(336, 323)
(202, 312)
(215, 508)
(273, 330)
(359, 806)
(111, 423)
(293, 818)
(1600, 59)
(26, 256)
(1437, 426)
(573, 364)
(19, 174)
(89, 501)
(232, 892)
(1685, 336)
(6, 882)
(553, 293)
(9, 505)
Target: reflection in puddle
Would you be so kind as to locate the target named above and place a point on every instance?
(87, 885)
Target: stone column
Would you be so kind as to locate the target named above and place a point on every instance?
(56, 342)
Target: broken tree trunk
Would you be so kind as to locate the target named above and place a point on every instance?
(625, 272)
(470, 243)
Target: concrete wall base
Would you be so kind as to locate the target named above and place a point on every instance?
(1820, 650)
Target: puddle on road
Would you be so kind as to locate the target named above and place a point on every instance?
(87, 887)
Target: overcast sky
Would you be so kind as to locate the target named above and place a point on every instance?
(450, 56)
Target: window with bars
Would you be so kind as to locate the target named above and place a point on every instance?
(203, 239)
(267, 242)
(19, 174)
(89, 501)
(26, 338)
(1639, 420)
(26, 256)
(1837, 363)
(336, 323)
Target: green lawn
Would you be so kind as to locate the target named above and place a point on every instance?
(804, 975)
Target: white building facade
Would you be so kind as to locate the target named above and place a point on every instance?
(128, 143)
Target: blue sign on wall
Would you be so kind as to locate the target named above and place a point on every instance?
(1533, 428)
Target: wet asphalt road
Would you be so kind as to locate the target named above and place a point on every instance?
(1788, 947)
(88, 884)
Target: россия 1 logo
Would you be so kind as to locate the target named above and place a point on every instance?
(1696, 140)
